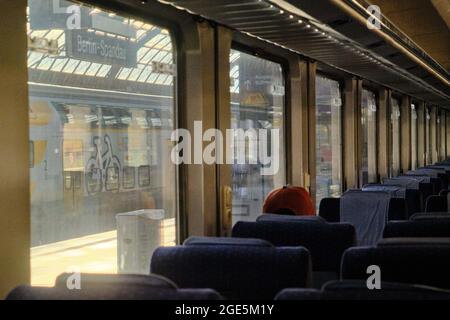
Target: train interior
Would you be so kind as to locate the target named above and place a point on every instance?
(146, 136)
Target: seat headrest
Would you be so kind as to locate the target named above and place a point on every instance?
(280, 217)
(424, 171)
(396, 191)
(430, 216)
(421, 178)
(115, 292)
(357, 290)
(226, 241)
(89, 280)
(340, 285)
(368, 212)
(325, 241)
(390, 242)
(236, 272)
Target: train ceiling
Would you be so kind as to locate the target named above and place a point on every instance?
(334, 32)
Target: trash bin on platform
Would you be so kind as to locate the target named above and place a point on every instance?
(138, 235)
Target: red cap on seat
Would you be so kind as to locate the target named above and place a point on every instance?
(295, 199)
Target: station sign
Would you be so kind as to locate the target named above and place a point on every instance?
(89, 46)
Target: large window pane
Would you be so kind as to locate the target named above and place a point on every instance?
(447, 133)
(257, 102)
(369, 137)
(395, 138)
(442, 138)
(414, 139)
(101, 113)
(428, 144)
(328, 139)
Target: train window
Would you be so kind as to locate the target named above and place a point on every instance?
(328, 139)
(112, 179)
(443, 142)
(129, 178)
(257, 103)
(144, 176)
(428, 138)
(102, 103)
(434, 135)
(395, 137)
(414, 139)
(368, 169)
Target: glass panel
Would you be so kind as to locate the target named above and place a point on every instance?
(395, 138)
(328, 139)
(257, 102)
(414, 140)
(428, 136)
(129, 179)
(434, 135)
(447, 130)
(442, 139)
(369, 137)
(92, 130)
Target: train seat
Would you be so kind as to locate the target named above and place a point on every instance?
(443, 173)
(369, 212)
(429, 216)
(420, 183)
(330, 209)
(112, 287)
(411, 196)
(288, 218)
(237, 268)
(436, 204)
(325, 241)
(357, 290)
(424, 261)
(437, 176)
(418, 228)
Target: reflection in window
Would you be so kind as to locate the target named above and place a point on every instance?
(414, 139)
(328, 139)
(395, 138)
(128, 177)
(112, 179)
(368, 171)
(102, 106)
(144, 176)
(257, 102)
